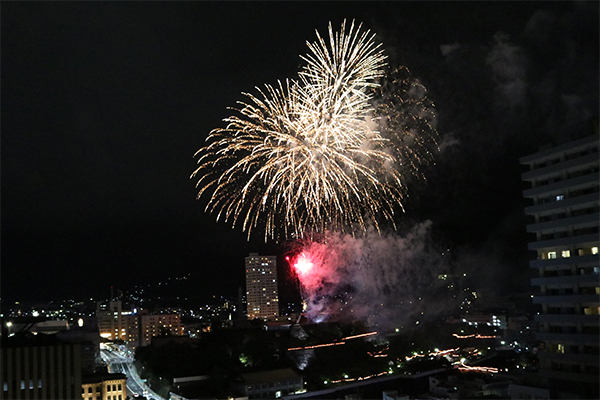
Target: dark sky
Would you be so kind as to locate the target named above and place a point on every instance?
(105, 104)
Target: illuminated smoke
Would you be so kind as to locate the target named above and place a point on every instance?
(387, 280)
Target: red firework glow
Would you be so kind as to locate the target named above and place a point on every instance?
(303, 266)
(308, 269)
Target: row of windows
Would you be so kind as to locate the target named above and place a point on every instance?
(566, 367)
(569, 272)
(586, 310)
(115, 387)
(566, 157)
(573, 213)
(569, 175)
(270, 265)
(24, 385)
(114, 397)
(586, 330)
(576, 232)
(572, 349)
(567, 253)
(571, 195)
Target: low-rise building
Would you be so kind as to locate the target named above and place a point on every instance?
(104, 387)
(271, 384)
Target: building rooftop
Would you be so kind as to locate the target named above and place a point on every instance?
(99, 377)
(276, 375)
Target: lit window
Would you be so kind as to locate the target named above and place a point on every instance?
(560, 197)
(566, 254)
(594, 250)
(551, 254)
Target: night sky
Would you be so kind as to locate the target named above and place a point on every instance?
(105, 104)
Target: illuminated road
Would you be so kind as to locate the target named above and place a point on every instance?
(118, 362)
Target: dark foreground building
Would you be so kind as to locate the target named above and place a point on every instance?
(40, 367)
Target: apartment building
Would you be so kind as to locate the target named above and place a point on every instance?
(262, 293)
(565, 218)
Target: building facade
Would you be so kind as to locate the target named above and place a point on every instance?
(271, 384)
(132, 330)
(40, 368)
(135, 329)
(262, 293)
(111, 321)
(565, 212)
(104, 387)
(158, 324)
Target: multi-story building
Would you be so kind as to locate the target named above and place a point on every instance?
(40, 367)
(271, 384)
(104, 387)
(158, 324)
(132, 330)
(114, 323)
(262, 293)
(565, 194)
(135, 329)
(111, 323)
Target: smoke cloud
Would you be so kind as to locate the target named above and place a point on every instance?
(446, 49)
(388, 280)
(508, 63)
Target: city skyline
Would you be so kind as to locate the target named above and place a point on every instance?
(105, 105)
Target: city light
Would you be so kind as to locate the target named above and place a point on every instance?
(332, 343)
(474, 336)
(316, 346)
(359, 336)
(467, 368)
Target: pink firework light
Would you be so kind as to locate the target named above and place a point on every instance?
(315, 266)
(308, 274)
(303, 265)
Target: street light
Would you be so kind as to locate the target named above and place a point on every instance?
(9, 325)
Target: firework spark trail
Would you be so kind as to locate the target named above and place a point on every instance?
(306, 155)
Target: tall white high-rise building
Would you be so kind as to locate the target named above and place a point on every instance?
(262, 293)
